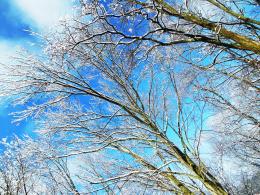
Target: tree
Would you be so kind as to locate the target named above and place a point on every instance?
(19, 170)
(135, 80)
(250, 184)
(28, 166)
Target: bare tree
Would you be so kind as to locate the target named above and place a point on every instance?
(19, 172)
(28, 167)
(133, 79)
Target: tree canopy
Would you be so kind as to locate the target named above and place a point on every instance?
(136, 89)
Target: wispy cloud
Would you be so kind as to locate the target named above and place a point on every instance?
(7, 49)
(43, 13)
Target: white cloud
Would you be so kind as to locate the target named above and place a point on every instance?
(7, 49)
(206, 9)
(41, 15)
(44, 13)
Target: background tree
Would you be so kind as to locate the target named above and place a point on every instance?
(28, 166)
(249, 184)
(19, 170)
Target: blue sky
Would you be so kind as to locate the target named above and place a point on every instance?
(11, 26)
(16, 17)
